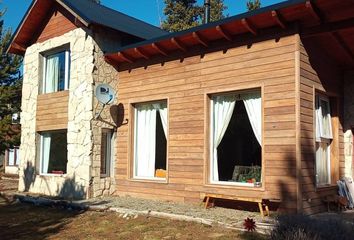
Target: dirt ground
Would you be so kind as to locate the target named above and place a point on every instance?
(23, 221)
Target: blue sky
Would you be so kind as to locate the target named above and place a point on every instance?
(146, 10)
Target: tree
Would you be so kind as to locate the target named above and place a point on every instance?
(10, 91)
(184, 14)
(253, 5)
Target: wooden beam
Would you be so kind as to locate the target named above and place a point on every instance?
(223, 33)
(315, 11)
(279, 19)
(179, 44)
(159, 49)
(328, 28)
(138, 51)
(343, 44)
(200, 39)
(249, 26)
(18, 46)
(125, 57)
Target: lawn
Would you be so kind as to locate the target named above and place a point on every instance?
(23, 221)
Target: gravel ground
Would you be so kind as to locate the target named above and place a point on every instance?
(216, 214)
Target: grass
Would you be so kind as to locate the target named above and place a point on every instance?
(22, 221)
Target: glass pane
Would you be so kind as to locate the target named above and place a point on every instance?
(322, 163)
(326, 118)
(55, 73)
(54, 152)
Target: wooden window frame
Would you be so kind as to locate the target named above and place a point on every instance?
(209, 144)
(132, 135)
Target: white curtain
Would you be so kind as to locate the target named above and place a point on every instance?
(145, 141)
(46, 139)
(253, 104)
(52, 74)
(162, 108)
(223, 107)
(322, 168)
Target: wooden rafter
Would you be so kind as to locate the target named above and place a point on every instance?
(315, 11)
(18, 46)
(200, 39)
(141, 53)
(223, 33)
(159, 49)
(279, 19)
(343, 44)
(125, 57)
(178, 44)
(249, 26)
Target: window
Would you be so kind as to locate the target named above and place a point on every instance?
(53, 152)
(13, 157)
(107, 144)
(56, 72)
(323, 140)
(150, 140)
(236, 138)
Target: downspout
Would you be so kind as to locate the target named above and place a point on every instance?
(206, 11)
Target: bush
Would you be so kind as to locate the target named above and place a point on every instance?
(301, 227)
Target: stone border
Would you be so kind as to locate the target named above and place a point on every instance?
(262, 228)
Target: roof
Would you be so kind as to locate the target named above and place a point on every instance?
(87, 12)
(94, 13)
(314, 20)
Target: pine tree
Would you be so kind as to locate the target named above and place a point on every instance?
(217, 8)
(10, 91)
(253, 5)
(184, 14)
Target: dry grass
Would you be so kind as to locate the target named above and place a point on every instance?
(22, 221)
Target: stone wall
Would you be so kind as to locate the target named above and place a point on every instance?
(75, 183)
(348, 123)
(104, 73)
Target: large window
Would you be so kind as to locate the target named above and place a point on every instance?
(56, 72)
(107, 143)
(150, 141)
(53, 152)
(236, 138)
(323, 140)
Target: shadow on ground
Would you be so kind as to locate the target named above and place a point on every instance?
(24, 221)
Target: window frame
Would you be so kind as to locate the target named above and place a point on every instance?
(110, 136)
(239, 92)
(67, 65)
(323, 139)
(134, 112)
(41, 154)
(16, 150)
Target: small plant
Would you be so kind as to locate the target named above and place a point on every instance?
(249, 224)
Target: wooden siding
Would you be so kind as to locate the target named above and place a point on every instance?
(186, 83)
(57, 25)
(52, 111)
(318, 74)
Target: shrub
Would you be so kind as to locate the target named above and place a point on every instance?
(301, 227)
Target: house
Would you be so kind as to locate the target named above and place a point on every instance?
(63, 43)
(257, 105)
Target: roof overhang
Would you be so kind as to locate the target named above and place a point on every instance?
(329, 22)
(36, 14)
